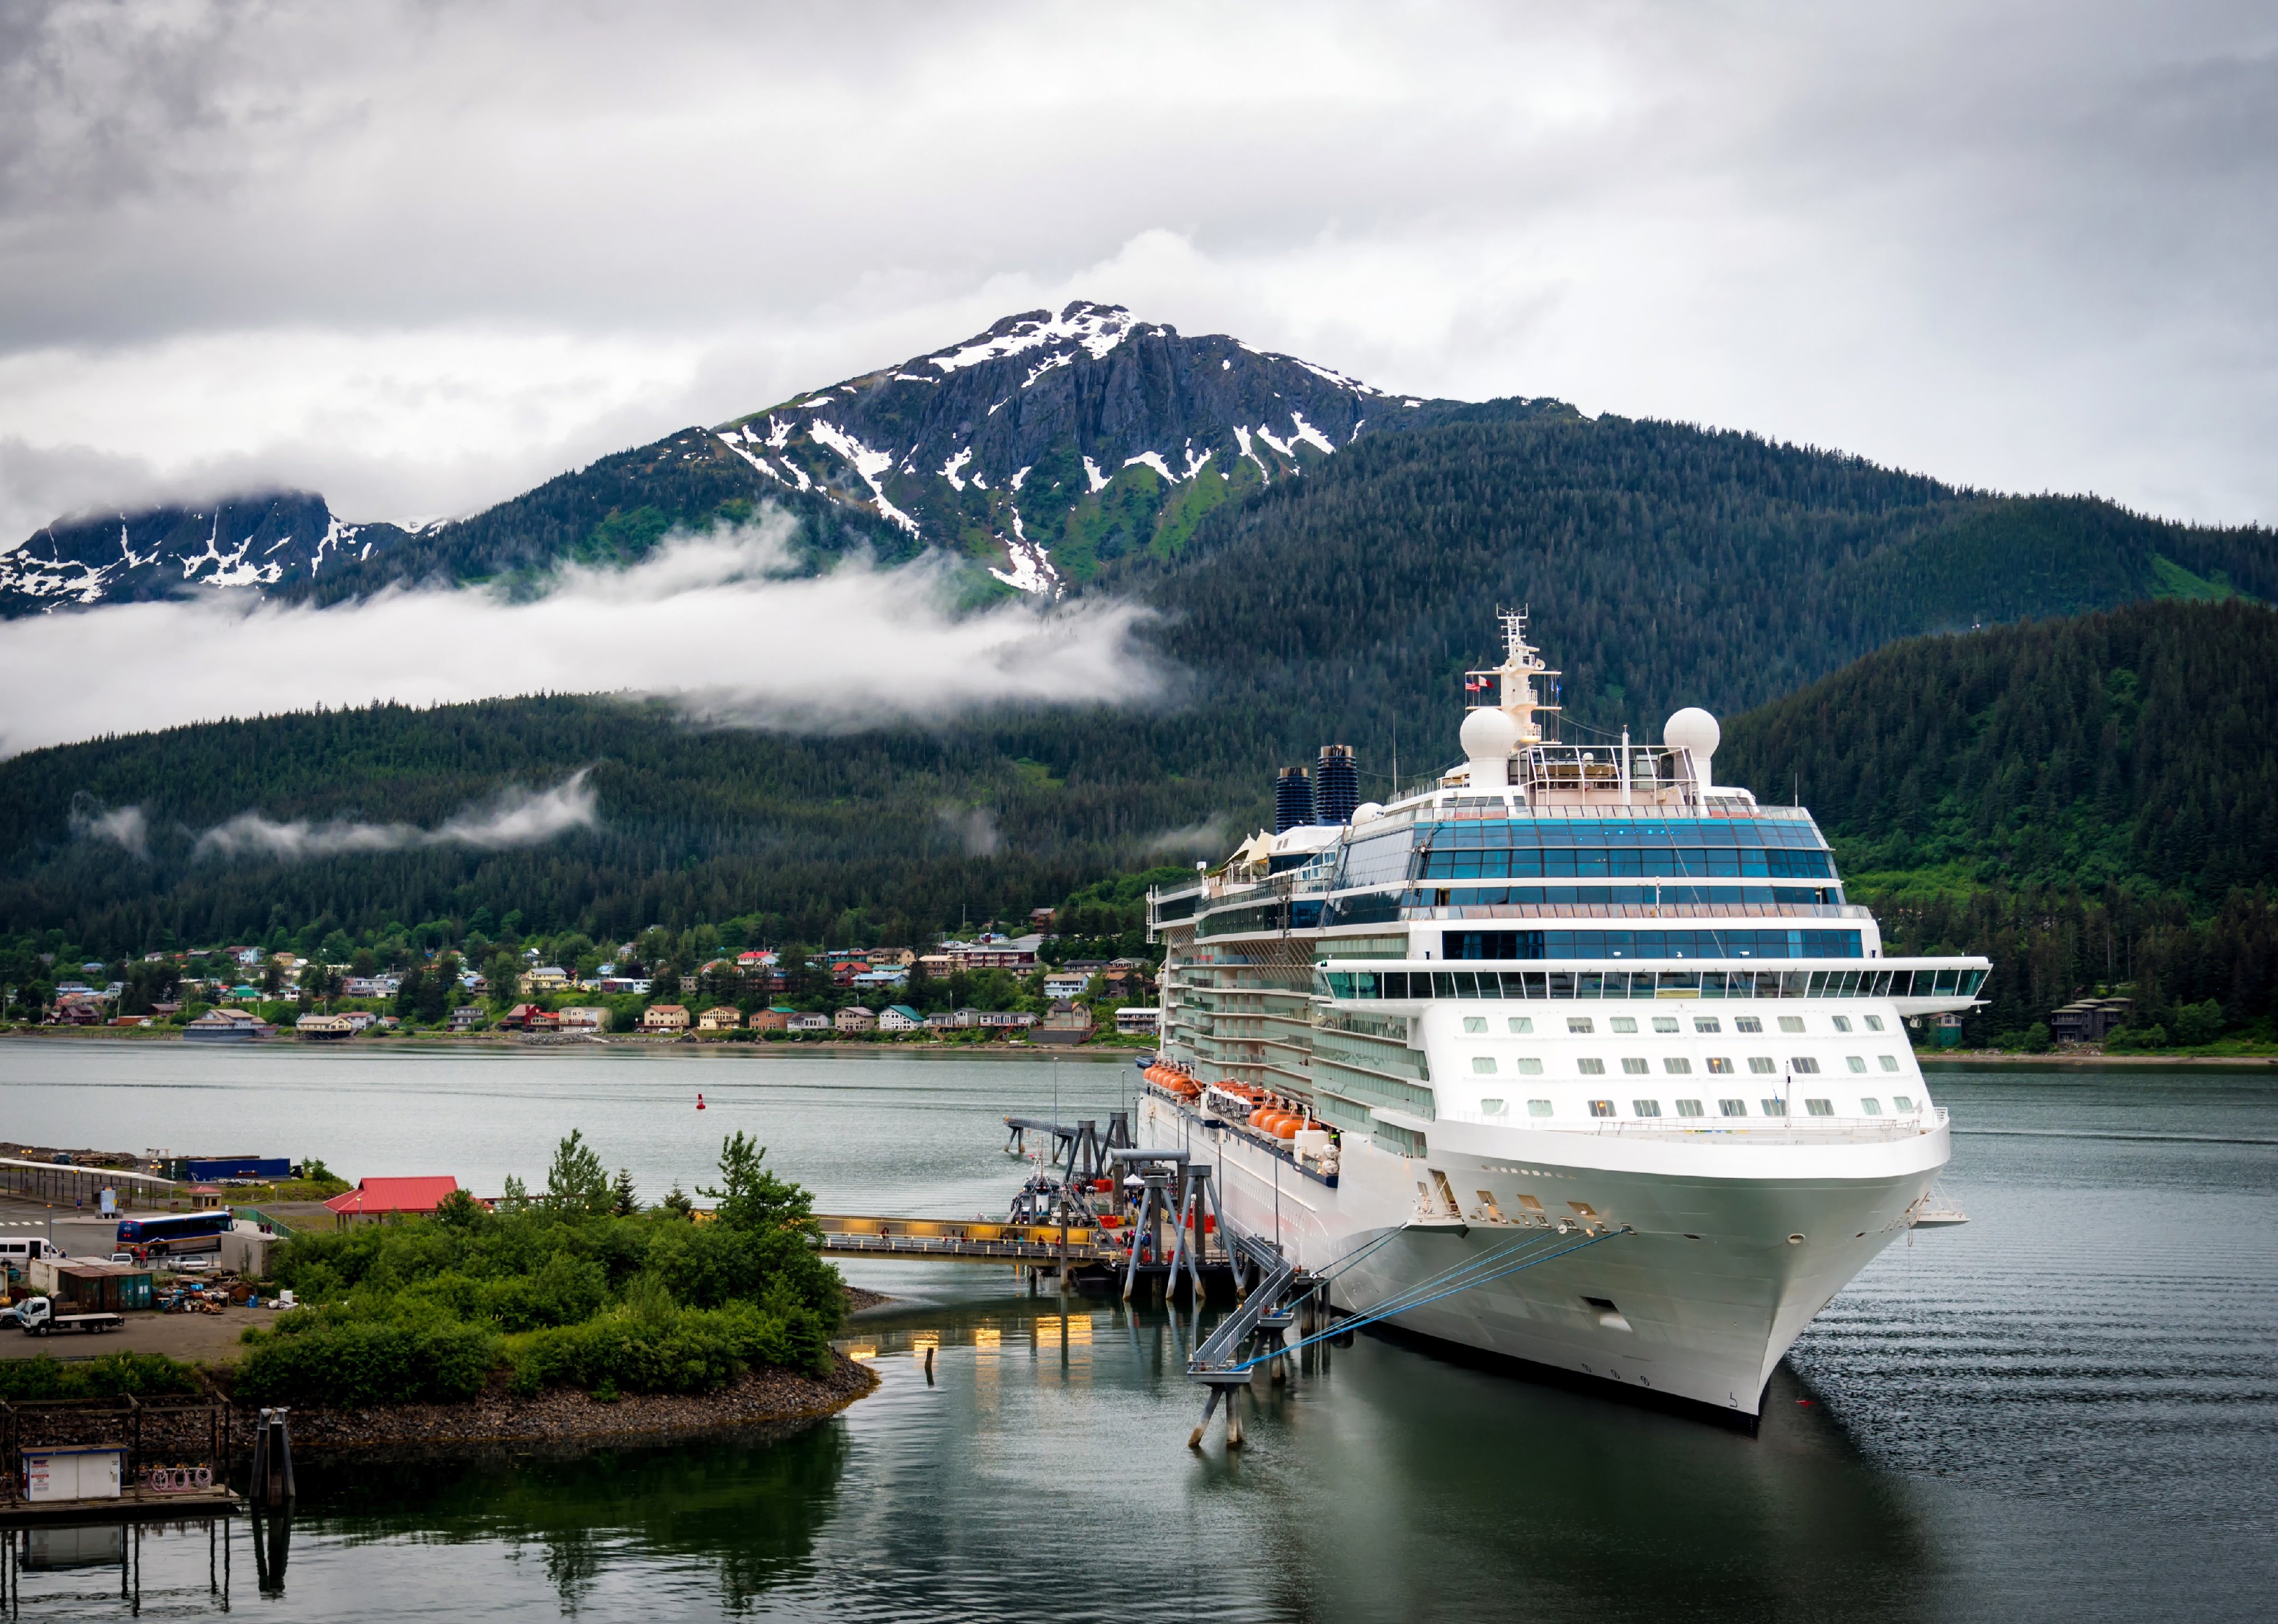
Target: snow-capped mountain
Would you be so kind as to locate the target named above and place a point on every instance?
(1046, 450)
(1057, 443)
(251, 541)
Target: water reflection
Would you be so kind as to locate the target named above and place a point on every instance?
(742, 1510)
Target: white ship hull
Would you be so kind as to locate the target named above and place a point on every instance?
(1695, 1290)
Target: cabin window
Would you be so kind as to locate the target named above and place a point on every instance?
(1475, 1023)
(1842, 1023)
(1803, 1065)
(1591, 1066)
(1903, 1102)
(1530, 1066)
(1791, 1024)
(1890, 1061)
(1676, 1065)
(1664, 1024)
(1707, 1023)
(1635, 1067)
(1624, 1023)
(1874, 1023)
(1870, 1107)
(1483, 1064)
(1688, 1107)
(1763, 1063)
(1819, 1107)
(1646, 1107)
(1857, 1062)
(1601, 1107)
(1492, 1108)
(1579, 1024)
(1732, 1107)
(1774, 1108)
(1720, 1064)
(1747, 1024)
(1521, 1025)
(1538, 1107)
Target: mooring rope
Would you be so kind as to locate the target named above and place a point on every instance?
(1404, 1302)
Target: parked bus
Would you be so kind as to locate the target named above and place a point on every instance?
(177, 1232)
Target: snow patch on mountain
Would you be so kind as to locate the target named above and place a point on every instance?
(1154, 460)
(949, 470)
(1098, 328)
(1307, 432)
(868, 464)
(1092, 473)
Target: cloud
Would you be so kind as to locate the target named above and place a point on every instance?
(517, 817)
(353, 246)
(1205, 839)
(715, 623)
(974, 828)
(124, 827)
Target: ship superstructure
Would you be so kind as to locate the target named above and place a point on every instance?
(1561, 985)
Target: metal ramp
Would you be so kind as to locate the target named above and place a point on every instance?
(1225, 1361)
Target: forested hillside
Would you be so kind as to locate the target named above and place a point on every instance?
(1665, 565)
(2088, 800)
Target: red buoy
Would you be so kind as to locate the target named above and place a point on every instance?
(700, 1102)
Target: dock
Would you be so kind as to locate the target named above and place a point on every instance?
(974, 1240)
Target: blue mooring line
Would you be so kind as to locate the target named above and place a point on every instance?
(1385, 1311)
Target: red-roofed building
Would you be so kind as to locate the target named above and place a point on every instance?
(377, 1199)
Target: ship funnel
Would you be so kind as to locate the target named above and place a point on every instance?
(1293, 800)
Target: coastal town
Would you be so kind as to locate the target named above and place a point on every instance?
(1035, 988)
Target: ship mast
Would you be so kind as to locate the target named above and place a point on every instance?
(1514, 683)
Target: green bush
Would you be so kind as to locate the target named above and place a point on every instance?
(367, 1363)
(107, 1376)
(2197, 1023)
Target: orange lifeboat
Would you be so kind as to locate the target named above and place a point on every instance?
(1288, 1126)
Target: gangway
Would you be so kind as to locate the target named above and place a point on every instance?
(974, 1240)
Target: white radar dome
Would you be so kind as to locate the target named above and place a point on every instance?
(1368, 812)
(1693, 729)
(1490, 735)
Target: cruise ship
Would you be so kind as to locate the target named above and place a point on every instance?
(1569, 1054)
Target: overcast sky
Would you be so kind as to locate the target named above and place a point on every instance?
(421, 256)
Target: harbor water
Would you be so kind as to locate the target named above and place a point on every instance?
(2066, 1409)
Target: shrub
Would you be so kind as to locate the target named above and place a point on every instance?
(2197, 1023)
(368, 1363)
(107, 1376)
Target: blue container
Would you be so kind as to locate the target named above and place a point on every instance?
(242, 1166)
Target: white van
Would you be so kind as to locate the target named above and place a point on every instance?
(20, 1251)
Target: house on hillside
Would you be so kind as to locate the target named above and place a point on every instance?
(587, 1018)
(720, 1018)
(465, 1018)
(774, 1019)
(855, 1018)
(377, 1200)
(1068, 982)
(323, 1028)
(1139, 1020)
(900, 1018)
(1065, 1023)
(665, 1018)
(1006, 1020)
(543, 978)
(804, 1024)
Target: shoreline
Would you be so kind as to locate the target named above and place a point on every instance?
(1975, 1058)
(441, 1043)
(569, 1418)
